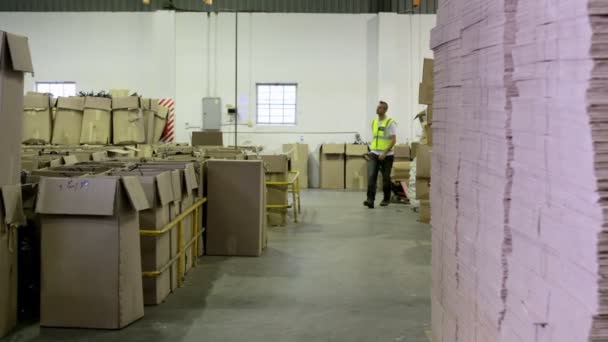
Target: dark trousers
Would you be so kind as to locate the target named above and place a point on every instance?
(373, 166)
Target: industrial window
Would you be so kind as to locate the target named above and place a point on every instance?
(276, 103)
(58, 89)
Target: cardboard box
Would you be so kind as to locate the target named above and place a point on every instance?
(402, 153)
(37, 118)
(236, 210)
(14, 61)
(332, 166)
(423, 161)
(276, 170)
(155, 250)
(298, 154)
(128, 121)
(68, 120)
(13, 217)
(426, 93)
(356, 167)
(208, 138)
(424, 213)
(160, 121)
(90, 251)
(423, 189)
(96, 121)
(400, 171)
(427, 71)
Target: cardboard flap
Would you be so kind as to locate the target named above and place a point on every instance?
(76, 196)
(13, 205)
(176, 181)
(135, 192)
(101, 103)
(119, 151)
(333, 149)
(36, 101)
(72, 102)
(356, 150)
(20, 52)
(190, 176)
(164, 187)
(162, 112)
(129, 102)
(70, 160)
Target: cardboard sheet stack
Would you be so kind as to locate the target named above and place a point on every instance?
(518, 214)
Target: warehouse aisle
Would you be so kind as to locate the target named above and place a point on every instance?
(345, 274)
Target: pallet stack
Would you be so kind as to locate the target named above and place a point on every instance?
(517, 209)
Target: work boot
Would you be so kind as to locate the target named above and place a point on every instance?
(369, 204)
(384, 203)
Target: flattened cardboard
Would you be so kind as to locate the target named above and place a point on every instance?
(37, 119)
(96, 121)
(332, 166)
(76, 241)
(68, 121)
(236, 210)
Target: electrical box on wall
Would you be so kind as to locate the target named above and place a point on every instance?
(212, 112)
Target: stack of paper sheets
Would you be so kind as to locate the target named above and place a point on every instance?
(520, 164)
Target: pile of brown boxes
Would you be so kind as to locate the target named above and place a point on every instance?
(344, 166)
(92, 120)
(401, 164)
(15, 60)
(276, 170)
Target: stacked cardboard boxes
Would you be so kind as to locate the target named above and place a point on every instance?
(37, 119)
(15, 60)
(67, 126)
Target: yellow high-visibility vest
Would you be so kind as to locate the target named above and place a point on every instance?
(382, 135)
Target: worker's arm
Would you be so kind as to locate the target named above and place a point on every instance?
(390, 147)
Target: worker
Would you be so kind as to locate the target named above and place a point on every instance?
(381, 156)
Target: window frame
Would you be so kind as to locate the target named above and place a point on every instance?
(282, 124)
(50, 83)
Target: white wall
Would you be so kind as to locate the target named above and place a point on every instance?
(343, 65)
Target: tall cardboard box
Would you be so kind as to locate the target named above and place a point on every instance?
(423, 161)
(276, 170)
(356, 167)
(128, 121)
(68, 120)
(155, 250)
(90, 251)
(14, 61)
(97, 121)
(332, 166)
(299, 161)
(236, 210)
(37, 119)
(423, 188)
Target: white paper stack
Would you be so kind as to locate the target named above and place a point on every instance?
(521, 167)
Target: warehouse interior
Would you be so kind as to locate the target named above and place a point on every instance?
(304, 170)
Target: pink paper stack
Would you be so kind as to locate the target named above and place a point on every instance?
(520, 163)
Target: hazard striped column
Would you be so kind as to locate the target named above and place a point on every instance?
(169, 132)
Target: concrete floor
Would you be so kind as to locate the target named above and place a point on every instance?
(346, 273)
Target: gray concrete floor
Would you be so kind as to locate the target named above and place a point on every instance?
(345, 273)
